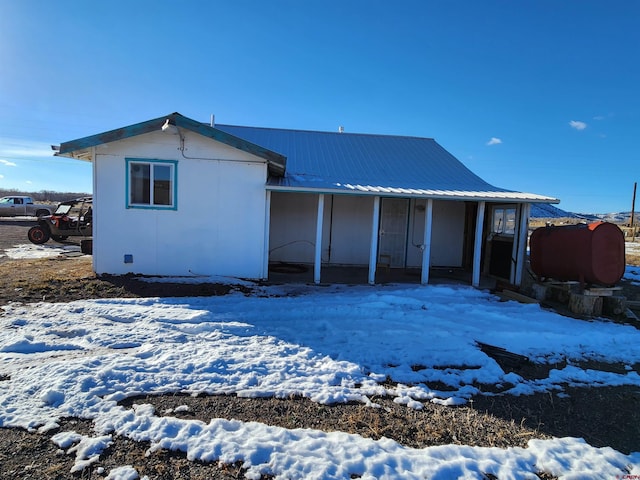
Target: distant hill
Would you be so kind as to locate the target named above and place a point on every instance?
(619, 217)
(546, 210)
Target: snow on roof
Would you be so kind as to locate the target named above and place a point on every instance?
(372, 164)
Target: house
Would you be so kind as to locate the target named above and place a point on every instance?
(174, 197)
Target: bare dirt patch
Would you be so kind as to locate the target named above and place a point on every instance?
(70, 277)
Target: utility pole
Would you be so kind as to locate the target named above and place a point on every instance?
(633, 208)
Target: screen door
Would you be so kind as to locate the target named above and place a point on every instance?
(394, 218)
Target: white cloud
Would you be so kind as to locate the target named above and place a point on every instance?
(1, 176)
(494, 141)
(28, 182)
(578, 125)
(21, 148)
(7, 163)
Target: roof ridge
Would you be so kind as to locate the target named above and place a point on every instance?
(386, 135)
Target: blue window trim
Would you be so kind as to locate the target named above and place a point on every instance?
(128, 162)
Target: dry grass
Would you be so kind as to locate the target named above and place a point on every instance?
(61, 278)
(632, 253)
(542, 222)
(48, 269)
(432, 425)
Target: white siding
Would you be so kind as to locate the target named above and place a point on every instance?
(217, 229)
(346, 228)
(293, 227)
(351, 230)
(447, 236)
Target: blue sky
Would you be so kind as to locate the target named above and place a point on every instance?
(539, 96)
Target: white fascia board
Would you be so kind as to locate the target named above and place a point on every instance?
(517, 197)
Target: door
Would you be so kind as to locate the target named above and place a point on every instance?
(501, 241)
(394, 218)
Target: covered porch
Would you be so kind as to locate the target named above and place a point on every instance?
(356, 239)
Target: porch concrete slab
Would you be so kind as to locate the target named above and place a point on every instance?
(303, 274)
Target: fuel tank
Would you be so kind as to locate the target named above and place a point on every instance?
(589, 253)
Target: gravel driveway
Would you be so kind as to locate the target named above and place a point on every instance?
(13, 231)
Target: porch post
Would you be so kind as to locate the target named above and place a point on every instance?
(477, 245)
(426, 242)
(516, 245)
(318, 257)
(373, 253)
(523, 233)
(95, 255)
(267, 226)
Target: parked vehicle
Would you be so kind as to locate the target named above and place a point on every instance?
(21, 206)
(71, 219)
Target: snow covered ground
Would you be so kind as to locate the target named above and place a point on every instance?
(632, 273)
(46, 250)
(329, 344)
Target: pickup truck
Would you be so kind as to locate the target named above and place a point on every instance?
(20, 206)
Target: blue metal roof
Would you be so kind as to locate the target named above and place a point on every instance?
(301, 160)
(371, 164)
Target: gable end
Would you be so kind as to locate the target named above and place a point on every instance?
(275, 161)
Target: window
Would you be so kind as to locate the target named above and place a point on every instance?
(504, 221)
(151, 184)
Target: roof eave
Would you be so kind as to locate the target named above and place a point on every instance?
(275, 161)
(502, 197)
(69, 148)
